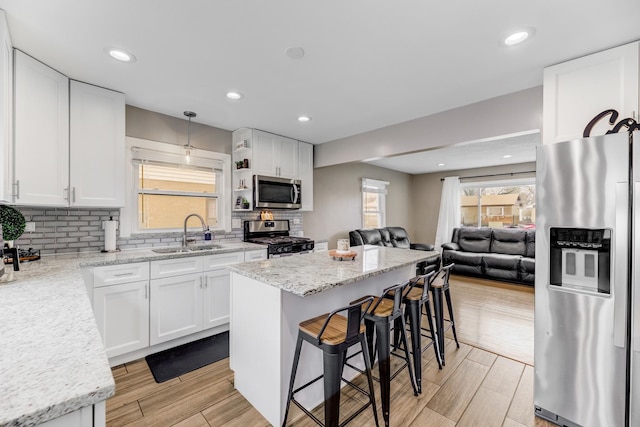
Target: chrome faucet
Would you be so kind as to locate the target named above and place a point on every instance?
(184, 235)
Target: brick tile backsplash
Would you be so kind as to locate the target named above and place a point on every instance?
(68, 230)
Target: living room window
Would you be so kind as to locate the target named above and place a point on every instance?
(165, 188)
(503, 204)
(374, 203)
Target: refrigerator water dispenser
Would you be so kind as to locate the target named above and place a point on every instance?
(580, 259)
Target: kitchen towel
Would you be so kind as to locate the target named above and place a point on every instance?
(110, 228)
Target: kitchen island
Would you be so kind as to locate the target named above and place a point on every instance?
(270, 298)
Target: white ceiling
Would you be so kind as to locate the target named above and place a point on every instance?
(368, 63)
(469, 155)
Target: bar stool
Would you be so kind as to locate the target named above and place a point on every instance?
(415, 301)
(334, 334)
(438, 289)
(379, 317)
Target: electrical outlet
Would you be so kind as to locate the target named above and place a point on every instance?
(30, 226)
(296, 220)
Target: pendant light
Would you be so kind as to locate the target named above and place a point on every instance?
(188, 147)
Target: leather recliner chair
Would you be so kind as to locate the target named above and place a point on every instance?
(396, 237)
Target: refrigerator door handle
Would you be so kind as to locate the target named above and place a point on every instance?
(634, 271)
(620, 266)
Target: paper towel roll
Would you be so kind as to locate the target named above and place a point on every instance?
(110, 228)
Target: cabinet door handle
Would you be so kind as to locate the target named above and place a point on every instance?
(123, 274)
(201, 282)
(206, 282)
(17, 185)
(145, 291)
(73, 195)
(67, 191)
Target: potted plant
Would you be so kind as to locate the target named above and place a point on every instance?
(245, 203)
(13, 224)
(239, 164)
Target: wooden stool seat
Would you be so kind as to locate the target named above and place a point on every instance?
(335, 333)
(382, 309)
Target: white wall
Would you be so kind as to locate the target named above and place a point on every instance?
(503, 115)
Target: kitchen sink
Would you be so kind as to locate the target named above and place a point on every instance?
(180, 249)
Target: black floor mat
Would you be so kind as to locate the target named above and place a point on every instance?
(177, 361)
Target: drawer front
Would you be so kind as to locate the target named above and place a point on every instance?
(213, 261)
(255, 255)
(118, 274)
(175, 267)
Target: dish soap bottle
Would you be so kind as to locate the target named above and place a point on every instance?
(207, 234)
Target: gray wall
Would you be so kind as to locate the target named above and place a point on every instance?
(427, 189)
(153, 126)
(504, 115)
(337, 200)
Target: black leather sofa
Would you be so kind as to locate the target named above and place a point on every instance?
(500, 253)
(395, 237)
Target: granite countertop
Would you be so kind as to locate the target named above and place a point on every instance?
(309, 274)
(52, 360)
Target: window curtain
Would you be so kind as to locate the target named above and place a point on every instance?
(449, 216)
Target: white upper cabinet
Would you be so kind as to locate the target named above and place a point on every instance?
(305, 169)
(6, 113)
(41, 134)
(69, 140)
(97, 146)
(270, 155)
(275, 155)
(578, 90)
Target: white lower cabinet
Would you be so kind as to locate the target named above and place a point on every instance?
(176, 307)
(255, 255)
(139, 305)
(216, 298)
(122, 314)
(89, 416)
(121, 306)
(184, 304)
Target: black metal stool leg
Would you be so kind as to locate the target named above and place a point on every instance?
(437, 312)
(333, 365)
(367, 365)
(405, 344)
(436, 345)
(369, 331)
(447, 295)
(294, 368)
(413, 307)
(384, 367)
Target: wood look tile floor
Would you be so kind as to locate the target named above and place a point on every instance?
(487, 382)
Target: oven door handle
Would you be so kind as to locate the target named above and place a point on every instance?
(296, 193)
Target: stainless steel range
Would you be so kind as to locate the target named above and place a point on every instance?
(275, 234)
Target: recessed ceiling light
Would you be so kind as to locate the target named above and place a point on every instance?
(304, 119)
(440, 164)
(121, 55)
(518, 36)
(507, 156)
(234, 95)
(294, 52)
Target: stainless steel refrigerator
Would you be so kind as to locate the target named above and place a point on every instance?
(587, 305)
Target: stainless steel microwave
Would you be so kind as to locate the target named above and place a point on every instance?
(276, 193)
